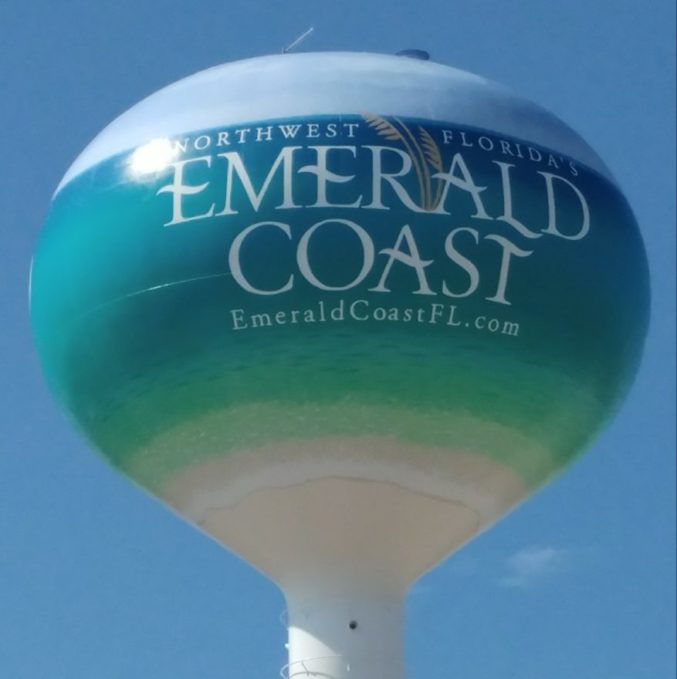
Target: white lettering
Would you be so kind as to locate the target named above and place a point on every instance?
(178, 189)
(552, 211)
(509, 249)
(379, 176)
(464, 182)
(412, 259)
(507, 215)
(236, 167)
(467, 266)
(367, 254)
(324, 175)
(234, 259)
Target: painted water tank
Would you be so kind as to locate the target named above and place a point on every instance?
(342, 311)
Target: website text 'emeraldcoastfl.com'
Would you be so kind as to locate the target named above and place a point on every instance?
(363, 310)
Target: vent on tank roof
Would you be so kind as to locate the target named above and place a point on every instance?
(414, 54)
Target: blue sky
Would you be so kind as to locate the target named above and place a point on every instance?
(98, 580)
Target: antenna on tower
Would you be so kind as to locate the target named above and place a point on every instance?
(298, 40)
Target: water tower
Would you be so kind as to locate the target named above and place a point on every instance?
(341, 311)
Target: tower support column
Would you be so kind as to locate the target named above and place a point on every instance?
(345, 636)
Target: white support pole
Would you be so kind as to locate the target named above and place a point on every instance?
(344, 637)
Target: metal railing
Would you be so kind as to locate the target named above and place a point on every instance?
(303, 668)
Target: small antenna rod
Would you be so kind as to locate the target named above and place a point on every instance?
(298, 40)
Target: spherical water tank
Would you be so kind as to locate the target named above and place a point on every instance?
(341, 311)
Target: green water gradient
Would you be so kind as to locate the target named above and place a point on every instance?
(133, 319)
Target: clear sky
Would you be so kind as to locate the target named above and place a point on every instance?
(99, 581)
